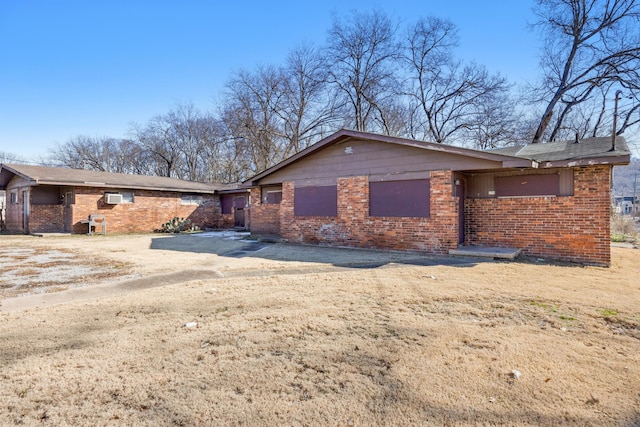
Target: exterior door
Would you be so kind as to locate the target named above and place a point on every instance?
(25, 211)
(461, 193)
(68, 201)
(238, 218)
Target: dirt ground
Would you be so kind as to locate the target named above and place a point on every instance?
(208, 330)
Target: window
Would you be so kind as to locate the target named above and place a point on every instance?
(272, 197)
(527, 185)
(408, 198)
(226, 202)
(316, 201)
(14, 196)
(127, 197)
(191, 199)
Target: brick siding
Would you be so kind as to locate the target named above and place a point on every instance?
(46, 219)
(355, 228)
(149, 211)
(571, 228)
(13, 214)
(265, 218)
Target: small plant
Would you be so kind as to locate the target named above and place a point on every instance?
(623, 228)
(543, 305)
(606, 312)
(176, 225)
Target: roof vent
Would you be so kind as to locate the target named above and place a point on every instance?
(577, 141)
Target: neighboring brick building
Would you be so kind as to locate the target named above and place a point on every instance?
(364, 190)
(44, 199)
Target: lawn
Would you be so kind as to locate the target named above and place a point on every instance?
(290, 335)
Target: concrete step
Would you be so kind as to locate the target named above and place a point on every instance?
(486, 252)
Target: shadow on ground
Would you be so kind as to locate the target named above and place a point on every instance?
(231, 245)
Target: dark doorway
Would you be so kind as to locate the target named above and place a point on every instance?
(239, 203)
(461, 193)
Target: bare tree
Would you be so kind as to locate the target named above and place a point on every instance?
(494, 124)
(589, 44)
(7, 157)
(307, 110)
(158, 140)
(446, 96)
(98, 153)
(362, 54)
(250, 113)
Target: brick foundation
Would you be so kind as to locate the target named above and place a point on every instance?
(571, 228)
(355, 228)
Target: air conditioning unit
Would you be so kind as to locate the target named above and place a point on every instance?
(114, 199)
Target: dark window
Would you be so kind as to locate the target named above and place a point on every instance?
(273, 197)
(527, 185)
(316, 201)
(399, 198)
(226, 203)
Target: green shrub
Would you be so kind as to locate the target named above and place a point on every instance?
(176, 225)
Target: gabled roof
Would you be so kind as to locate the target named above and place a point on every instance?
(588, 151)
(45, 175)
(508, 161)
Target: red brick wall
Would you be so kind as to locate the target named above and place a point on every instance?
(149, 211)
(46, 219)
(571, 228)
(354, 227)
(265, 218)
(14, 212)
(227, 220)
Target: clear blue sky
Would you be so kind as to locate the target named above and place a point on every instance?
(93, 68)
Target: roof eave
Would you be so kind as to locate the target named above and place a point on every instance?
(609, 160)
(120, 186)
(520, 163)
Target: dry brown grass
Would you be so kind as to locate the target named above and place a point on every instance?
(393, 345)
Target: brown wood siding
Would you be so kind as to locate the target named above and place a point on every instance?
(484, 185)
(371, 158)
(316, 201)
(399, 198)
(527, 185)
(46, 195)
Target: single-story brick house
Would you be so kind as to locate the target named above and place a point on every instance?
(366, 190)
(47, 199)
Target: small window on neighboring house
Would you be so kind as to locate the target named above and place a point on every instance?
(190, 199)
(410, 198)
(14, 196)
(272, 197)
(316, 201)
